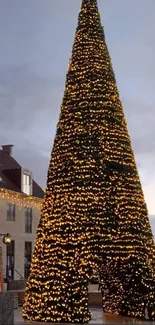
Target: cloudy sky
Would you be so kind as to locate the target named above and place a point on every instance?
(36, 38)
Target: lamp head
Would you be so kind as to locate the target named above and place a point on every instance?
(7, 239)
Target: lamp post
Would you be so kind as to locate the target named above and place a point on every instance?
(6, 240)
(6, 298)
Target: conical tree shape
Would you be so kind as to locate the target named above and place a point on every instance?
(94, 210)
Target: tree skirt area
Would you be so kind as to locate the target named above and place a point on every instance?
(97, 318)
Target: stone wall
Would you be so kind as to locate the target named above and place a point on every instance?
(16, 284)
(6, 308)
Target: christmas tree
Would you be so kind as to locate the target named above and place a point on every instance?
(94, 211)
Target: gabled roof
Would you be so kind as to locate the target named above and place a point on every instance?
(9, 166)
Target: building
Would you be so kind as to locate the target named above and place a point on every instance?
(152, 221)
(20, 204)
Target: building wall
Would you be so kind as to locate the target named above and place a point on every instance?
(17, 230)
(152, 220)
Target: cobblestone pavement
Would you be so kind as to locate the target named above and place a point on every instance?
(98, 318)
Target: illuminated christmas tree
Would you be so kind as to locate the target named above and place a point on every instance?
(94, 211)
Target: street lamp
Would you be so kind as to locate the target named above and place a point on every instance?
(6, 240)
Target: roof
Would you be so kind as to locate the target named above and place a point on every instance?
(10, 175)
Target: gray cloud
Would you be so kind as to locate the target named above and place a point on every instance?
(25, 97)
(141, 119)
(25, 109)
(152, 219)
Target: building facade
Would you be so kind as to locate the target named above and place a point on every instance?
(152, 221)
(20, 205)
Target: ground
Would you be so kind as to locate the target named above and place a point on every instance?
(97, 318)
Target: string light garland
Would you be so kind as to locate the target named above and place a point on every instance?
(20, 199)
(94, 215)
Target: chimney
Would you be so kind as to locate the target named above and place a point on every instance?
(8, 149)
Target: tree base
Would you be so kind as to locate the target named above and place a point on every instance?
(60, 319)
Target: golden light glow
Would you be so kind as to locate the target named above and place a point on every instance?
(20, 199)
(94, 214)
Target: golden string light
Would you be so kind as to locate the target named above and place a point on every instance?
(94, 214)
(20, 199)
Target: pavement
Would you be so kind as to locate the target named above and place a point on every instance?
(98, 318)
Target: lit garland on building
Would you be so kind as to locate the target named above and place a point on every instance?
(94, 211)
(20, 199)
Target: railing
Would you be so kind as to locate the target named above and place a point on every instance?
(26, 271)
(21, 277)
(10, 273)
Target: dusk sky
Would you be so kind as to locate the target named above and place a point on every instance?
(36, 38)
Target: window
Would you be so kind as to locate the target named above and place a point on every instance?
(28, 220)
(1, 180)
(28, 258)
(10, 257)
(27, 184)
(11, 211)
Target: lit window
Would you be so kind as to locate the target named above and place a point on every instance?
(28, 220)
(11, 212)
(27, 184)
